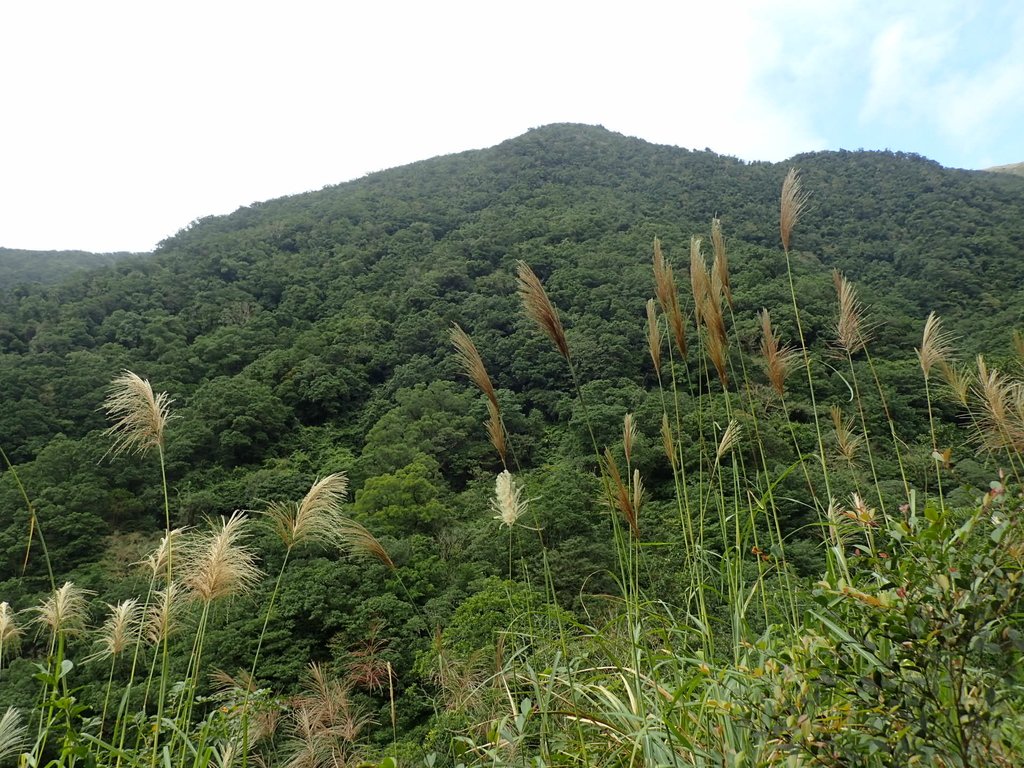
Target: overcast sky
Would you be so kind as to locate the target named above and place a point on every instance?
(122, 122)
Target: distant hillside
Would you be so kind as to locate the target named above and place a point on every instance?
(21, 266)
(1017, 169)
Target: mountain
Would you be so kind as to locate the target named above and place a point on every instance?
(310, 335)
(1016, 169)
(21, 266)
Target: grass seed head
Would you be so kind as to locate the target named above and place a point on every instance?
(496, 431)
(507, 501)
(315, 517)
(668, 297)
(156, 561)
(472, 363)
(10, 632)
(778, 359)
(538, 307)
(65, 610)
(164, 614)
(121, 628)
(851, 334)
(730, 438)
(720, 262)
(936, 345)
(139, 417)
(357, 540)
(13, 734)
(653, 335)
(792, 205)
(628, 436)
(218, 564)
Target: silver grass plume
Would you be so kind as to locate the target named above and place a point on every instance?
(507, 501)
(217, 564)
(10, 632)
(163, 617)
(538, 307)
(936, 345)
(13, 734)
(120, 630)
(64, 611)
(316, 517)
(139, 417)
(792, 205)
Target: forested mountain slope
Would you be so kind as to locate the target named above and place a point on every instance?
(21, 266)
(309, 335)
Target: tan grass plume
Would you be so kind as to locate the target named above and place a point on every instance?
(958, 380)
(779, 359)
(507, 500)
(472, 363)
(217, 562)
(936, 345)
(720, 262)
(668, 443)
(1000, 423)
(622, 499)
(358, 541)
(668, 298)
(13, 734)
(730, 438)
(315, 517)
(139, 417)
(847, 441)
(538, 307)
(156, 561)
(496, 431)
(65, 610)
(628, 436)
(1018, 344)
(851, 333)
(792, 205)
(700, 283)
(164, 614)
(120, 630)
(10, 632)
(653, 335)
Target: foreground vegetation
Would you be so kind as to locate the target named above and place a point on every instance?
(777, 550)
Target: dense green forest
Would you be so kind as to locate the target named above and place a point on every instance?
(310, 336)
(18, 267)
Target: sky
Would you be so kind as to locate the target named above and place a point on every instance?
(122, 122)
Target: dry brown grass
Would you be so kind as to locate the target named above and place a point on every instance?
(848, 442)
(622, 499)
(653, 336)
(358, 541)
(496, 431)
(165, 612)
(10, 632)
